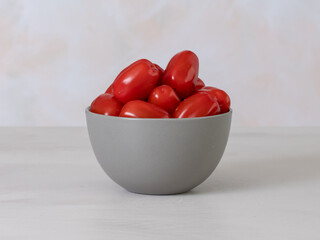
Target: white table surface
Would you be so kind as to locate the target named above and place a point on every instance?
(267, 186)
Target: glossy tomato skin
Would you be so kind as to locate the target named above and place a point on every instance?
(221, 96)
(182, 73)
(141, 109)
(200, 84)
(161, 74)
(136, 81)
(110, 89)
(165, 97)
(159, 68)
(197, 105)
(106, 104)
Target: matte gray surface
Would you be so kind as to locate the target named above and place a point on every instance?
(158, 156)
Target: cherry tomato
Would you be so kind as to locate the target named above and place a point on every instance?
(136, 81)
(141, 109)
(159, 68)
(106, 104)
(182, 73)
(161, 74)
(165, 97)
(200, 84)
(110, 89)
(221, 96)
(197, 105)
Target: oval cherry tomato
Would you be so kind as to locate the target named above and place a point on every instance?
(141, 109)
(165, 97)
(106, 104)
(110, 89)
(161, 74)
(200, 84)
(136, 81)
(197, 105)
(182, 73)
(221, 96)
(159, 68)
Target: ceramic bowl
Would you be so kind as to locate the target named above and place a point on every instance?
(158, 156)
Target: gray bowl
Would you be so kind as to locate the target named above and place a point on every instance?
(158, 156)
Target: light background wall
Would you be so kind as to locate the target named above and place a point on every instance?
(57, 56)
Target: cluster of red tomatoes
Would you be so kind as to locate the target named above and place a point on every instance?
(145, 90)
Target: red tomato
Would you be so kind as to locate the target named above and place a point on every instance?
(141, 109)
(110, 89)
(199, 84)
(106, 104)
(221, 96)
(159, 68)
(161, 74)
(165, 97)
(197, 105)
(136, 81)
(182, 73)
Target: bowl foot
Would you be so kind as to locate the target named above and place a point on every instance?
(159, 193)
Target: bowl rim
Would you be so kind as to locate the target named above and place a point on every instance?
(87, 111)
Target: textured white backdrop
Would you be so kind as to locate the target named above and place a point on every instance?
(57, 56)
